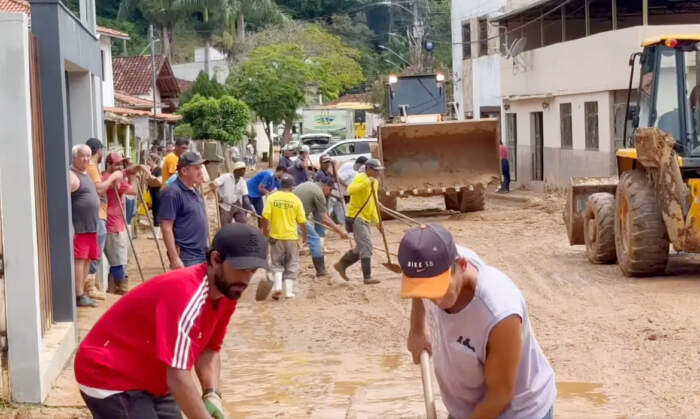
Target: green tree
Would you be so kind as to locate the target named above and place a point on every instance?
(272, 82)
(224, 119)
(203, 86)
(163, 14)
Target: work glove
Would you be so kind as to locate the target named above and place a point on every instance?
(214, 404)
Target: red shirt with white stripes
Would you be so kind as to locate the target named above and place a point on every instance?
(167, 321)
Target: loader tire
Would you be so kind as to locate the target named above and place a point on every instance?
(599, 228)
(466, 200)
(641, 241)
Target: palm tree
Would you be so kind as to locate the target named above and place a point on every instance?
(163, 14)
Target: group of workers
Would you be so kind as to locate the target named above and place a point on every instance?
(487, 360)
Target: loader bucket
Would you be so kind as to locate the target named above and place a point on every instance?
(577, 196)
(434, 157)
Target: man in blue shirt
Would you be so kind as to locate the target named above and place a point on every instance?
(262, 184)
(183, 218)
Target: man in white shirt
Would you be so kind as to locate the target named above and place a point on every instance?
(487, 361)
(232, 190)
(348, 171)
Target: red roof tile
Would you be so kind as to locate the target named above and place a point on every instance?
(17, 6)
(184, 84)
(110, 32)
(132, 75)
(170, 117)
(125, 100)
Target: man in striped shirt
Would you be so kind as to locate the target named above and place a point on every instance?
(137, 359)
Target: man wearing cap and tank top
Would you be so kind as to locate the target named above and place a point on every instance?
(487, 361)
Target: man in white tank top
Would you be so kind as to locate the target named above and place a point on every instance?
(487, 361)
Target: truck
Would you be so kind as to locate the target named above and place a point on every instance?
(424, 154)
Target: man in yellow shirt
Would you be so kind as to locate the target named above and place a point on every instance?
(171, 159)
(283, 217)
(363, 209)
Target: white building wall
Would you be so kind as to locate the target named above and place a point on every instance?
(108, 78)
(475, 80)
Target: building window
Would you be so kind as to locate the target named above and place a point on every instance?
(591, 112)
(512, 144)
(565, 125)
(483, 36)
(466, 41)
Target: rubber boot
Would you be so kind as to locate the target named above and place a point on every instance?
(122, 287)
(91, 290)
(320, 265)
(367, 271)
(276, 285)
(345, 262)
(288, 288)
(111, 285)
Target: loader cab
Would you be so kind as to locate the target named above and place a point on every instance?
(669, 93)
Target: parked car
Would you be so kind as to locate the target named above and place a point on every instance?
(316, 142)
(347, 150)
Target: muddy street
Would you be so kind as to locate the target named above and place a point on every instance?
(619, 347)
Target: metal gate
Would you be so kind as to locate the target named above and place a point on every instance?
(42, 219)
(537, 145)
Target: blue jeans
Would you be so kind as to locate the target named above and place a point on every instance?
(550, 414)
(314, 240)
(101, 238)
(320, 229)
(130, 209)
(257, 204)
(337, 210)
(191, 257)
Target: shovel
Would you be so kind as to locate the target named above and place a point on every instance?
(428, 395)
(390, 266)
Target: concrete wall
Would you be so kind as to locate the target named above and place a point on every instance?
(594, 63)
(18, 210)
(108, 76)
(82, 104)
(476, 80)
(189, 71)
(561, 164)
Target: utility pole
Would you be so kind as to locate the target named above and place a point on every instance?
(151, 38)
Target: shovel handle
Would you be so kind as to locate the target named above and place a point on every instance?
(428, 395)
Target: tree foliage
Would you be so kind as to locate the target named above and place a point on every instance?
(224, 119)
(272, 82)
(203, 86)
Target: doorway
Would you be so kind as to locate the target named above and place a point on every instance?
(537, 145)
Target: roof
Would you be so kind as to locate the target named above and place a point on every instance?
(16, 6)
(132, 75)
(661, 38)
(358, 101)
(184, 84)
(125, 100)
(525, 8)
(112, 33)
(170, 117)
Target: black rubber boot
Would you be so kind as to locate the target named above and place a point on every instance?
(367, 271)
(345, 262)
(320, 265)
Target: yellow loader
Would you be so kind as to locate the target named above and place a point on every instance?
(655, 200)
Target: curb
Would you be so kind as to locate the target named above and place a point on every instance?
(508, 197)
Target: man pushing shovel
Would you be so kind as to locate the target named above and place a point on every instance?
(487, 361)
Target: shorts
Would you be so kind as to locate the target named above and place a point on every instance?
(116, 248)
(85, 246)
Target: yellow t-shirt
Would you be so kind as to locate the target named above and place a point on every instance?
(94, 174)
(360, 190)
(169, 167)
(284, 211)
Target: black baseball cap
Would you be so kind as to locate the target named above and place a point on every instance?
(242, 246)
(287, 182)
(325, 180)
(190, 158)
(426, 256)
(361, 160)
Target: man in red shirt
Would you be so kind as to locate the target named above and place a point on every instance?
(176, 321)
(505, 168)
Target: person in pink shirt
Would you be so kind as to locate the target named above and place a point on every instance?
(116, 245)
(505, 169)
